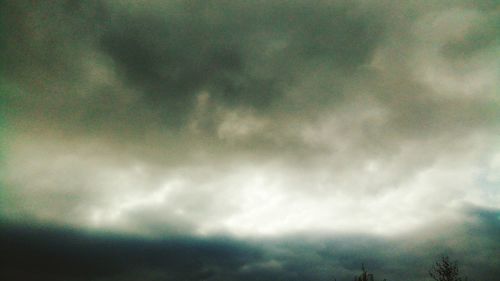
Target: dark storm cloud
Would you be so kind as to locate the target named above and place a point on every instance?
(116, 67)
(50, 253)
(250, 118)
(43, 40)
(244, 54)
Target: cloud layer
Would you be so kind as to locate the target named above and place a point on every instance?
(246, 118)
(41, 253)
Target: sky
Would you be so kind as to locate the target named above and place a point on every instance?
(248, 140)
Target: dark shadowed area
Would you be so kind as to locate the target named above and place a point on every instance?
(39, 252)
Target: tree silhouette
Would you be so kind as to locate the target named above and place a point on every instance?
(444, 270)
(365, 276)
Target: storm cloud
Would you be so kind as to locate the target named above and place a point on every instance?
(252, 120)
(50, 253)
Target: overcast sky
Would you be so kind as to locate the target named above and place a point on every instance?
(272, 140)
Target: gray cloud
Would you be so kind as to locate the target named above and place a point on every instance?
(65, 254)
(242, 54)
(251, 119)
